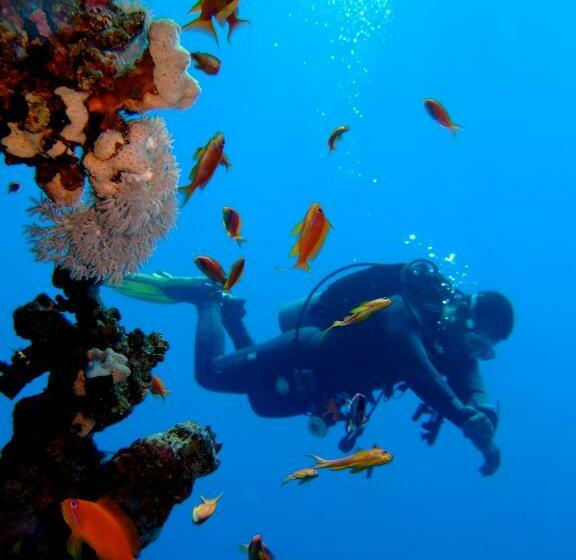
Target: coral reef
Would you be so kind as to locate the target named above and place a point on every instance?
(98, 373)
(73, 75)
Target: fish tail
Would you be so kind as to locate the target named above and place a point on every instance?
(455, 128)
(303, 266)
(233, 24)
(320, 462)
(201, 24)
(188, 190)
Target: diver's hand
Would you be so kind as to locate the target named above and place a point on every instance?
(491, 460)
(478, 428)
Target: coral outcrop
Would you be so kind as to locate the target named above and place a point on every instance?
(73, 76)
(98, 373)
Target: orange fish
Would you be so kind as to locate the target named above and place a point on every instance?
(222, 10)
(233, 224)
(205, 510)
(336, 136)
(362, 312)
(208, 63)
(257, 550)
(311, 232)
(235, 274)
(158, 388)
(437, 111)
(211, 268)
(303, 475)
(208, 159)
(103, 526)
(358, 462)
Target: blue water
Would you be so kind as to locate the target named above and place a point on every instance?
(501, 197)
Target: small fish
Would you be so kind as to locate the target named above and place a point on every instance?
(336, 136)
(208, 63)
(211, 268)
(208, 159)
(205, 510)
(311, 232)
(235, 274)
(14, 187)
(103, 526)
(257, 550)
(437, 111)
(358, 462)
(232, 223)
(332, 409)
(302, 476)
(222, 10)
(158, 388)
(362, 312)
(357, 417)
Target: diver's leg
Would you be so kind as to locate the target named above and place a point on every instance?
(233, 313)
(210, 341)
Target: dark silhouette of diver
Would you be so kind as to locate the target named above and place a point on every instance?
(429, 341)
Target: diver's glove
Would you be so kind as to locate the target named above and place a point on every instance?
(479, 429)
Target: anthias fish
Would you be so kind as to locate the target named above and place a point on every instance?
(103, 526)
(207, 63)
(222, 10)
(232, 224)
(311, 232)
(208, 159)
(158, 389)
(336, 136)
(362, 312)
(302, 476)
(439, 113)
(205, 510)
(257, 550)
(235, 274)
(211, 268)
(358, 462)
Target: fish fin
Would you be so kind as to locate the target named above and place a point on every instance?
(357, 470)
(123, 520)
(303, 266)
(239, 240)
(195, 518)
(369, 473)
(188, 191)
(244, 548)
(454, 128)
(294, 250)
(234, 23)
(320, 462)
(74, 546)
(204, 25)
(203, 499)
(225, 162)
(196, 8)
(198, 153)
(217, 498)
(297, 229)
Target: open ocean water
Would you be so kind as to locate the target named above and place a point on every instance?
(499, 201)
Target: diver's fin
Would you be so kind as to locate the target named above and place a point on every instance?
(139, 289)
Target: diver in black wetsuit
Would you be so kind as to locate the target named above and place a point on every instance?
(429, 340)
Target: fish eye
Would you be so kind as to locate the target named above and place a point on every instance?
(74, 504)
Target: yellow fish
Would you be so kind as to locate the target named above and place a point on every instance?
(362, 312)
(205, 510)
(303, 475)
(358, 462)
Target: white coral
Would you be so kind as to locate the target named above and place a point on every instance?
(115, 235)
(176, 88)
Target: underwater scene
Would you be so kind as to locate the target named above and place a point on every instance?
(287, 280)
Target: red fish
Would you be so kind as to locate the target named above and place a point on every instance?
(233, 224)
(158, 388)
(222, 10)
(257, 550)
(312, 232)
(211, 268)
(103, 526)
(205, 510)
(336, 136)
(208, 159)
(437, 111)
(235, 274)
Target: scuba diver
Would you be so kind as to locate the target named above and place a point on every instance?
(430, 340)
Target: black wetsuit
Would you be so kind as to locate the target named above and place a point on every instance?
(403, 343)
